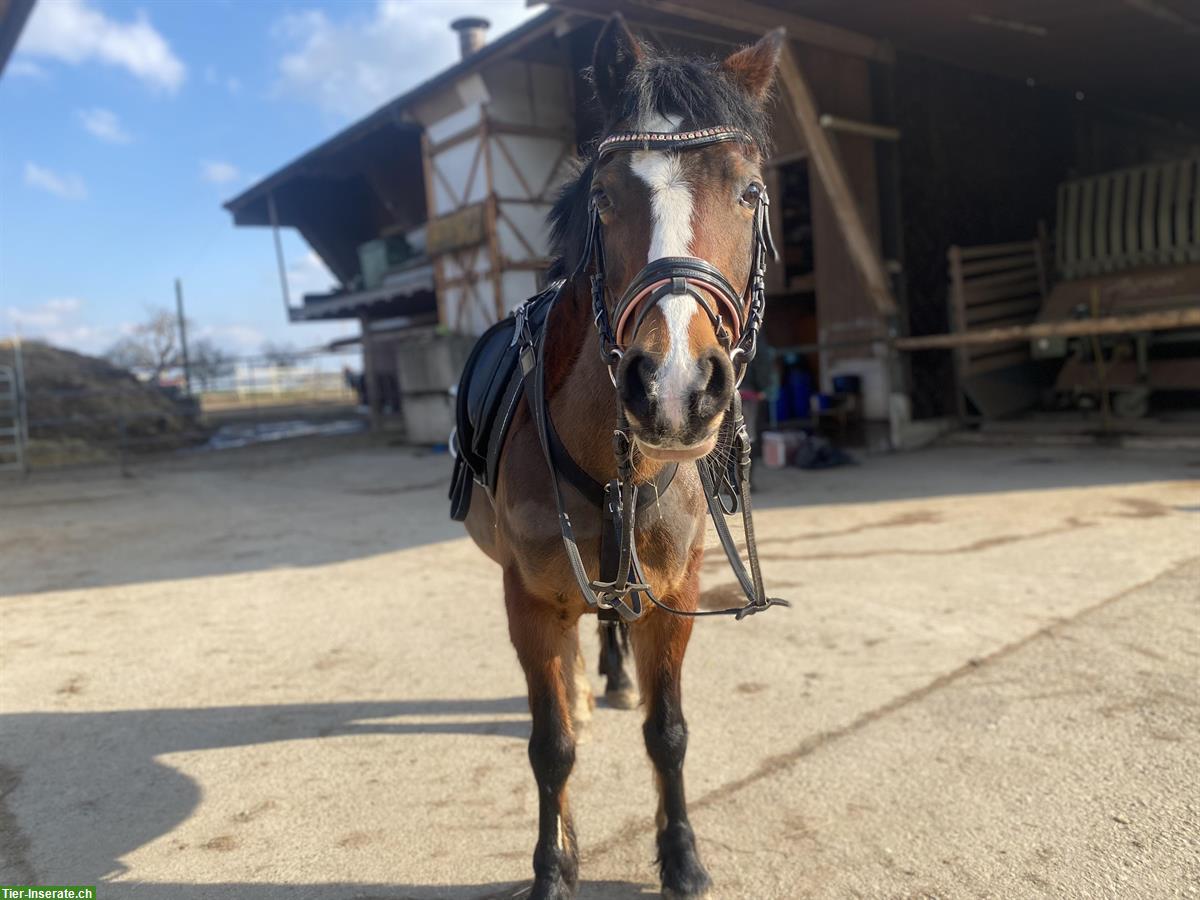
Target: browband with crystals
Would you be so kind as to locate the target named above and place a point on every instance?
(667, 140)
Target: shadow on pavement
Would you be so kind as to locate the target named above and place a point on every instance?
(96, 804)
(960, 471)
(594, 890)
(273, 508)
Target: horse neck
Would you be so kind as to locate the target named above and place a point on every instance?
(583, 400)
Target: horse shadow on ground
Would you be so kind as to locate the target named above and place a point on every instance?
(588, 890)
(83, 790)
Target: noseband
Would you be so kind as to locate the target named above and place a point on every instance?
(736, 317)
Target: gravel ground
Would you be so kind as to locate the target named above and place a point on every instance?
(282, 673)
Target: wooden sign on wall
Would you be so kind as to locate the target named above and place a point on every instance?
(454, 231)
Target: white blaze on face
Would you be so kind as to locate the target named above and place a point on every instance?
(671, 235)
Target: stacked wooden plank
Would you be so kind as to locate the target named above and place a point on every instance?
(1143, 216)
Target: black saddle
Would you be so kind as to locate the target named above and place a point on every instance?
(488, 393)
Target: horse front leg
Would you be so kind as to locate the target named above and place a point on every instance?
(659, 643)
(546, 640)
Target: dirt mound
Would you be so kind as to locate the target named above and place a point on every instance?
(83, 407)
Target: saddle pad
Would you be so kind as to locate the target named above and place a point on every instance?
(488, 393)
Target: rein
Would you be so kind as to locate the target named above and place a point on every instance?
(618, 591)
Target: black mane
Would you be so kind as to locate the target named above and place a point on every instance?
(694, 90)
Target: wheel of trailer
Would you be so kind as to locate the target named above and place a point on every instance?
(1132, 403)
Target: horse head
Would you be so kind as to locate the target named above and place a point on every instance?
(676, 190)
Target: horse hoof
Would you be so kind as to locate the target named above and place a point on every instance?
(683, 875)
(622, 698)
(556, 889)
(692, 886)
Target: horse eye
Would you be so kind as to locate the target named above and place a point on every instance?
(600, 200)
(752, 194)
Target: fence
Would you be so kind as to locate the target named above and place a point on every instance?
(81, 410)
(12, 421)
(991, 286)
(1147, 215)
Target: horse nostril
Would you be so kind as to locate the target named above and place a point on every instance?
(718, 377)
(634, 378)
(713, 398)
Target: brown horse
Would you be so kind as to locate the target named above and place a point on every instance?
(674, 384)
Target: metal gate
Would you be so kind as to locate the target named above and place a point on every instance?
(12, 424)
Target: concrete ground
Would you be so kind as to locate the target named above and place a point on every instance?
(282, 673)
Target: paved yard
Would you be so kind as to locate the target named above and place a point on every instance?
(284, 674)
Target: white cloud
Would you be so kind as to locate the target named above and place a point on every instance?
(216, 79)
(57, 321)
(25, 68)
(50, 314)
(235, 337)
(218, 171)
(104, 124)
(69, 187)
(75, 32)
(350, 66)
(309, 275)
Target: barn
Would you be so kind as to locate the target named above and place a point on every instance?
(983, 207)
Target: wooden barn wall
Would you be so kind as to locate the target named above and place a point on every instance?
(1108, 139)
(980, 159)
(842, 86)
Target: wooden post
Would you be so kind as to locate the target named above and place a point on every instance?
(283, 282)
(370, 385)
(958, 322)
(829, 169)
(493, 240)
(431, 213)
(182, 320)
(22, 423)
(777, 282)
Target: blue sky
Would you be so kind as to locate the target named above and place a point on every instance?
(125, 125)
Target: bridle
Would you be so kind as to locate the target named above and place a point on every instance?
(736, 318)
(737, 329)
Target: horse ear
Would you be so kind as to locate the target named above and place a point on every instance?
(753, 68)
(617, 52)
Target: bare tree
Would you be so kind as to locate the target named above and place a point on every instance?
(152, 347)
(209, 362)
(283, 355)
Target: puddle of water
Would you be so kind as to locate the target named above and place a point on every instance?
(229, 437)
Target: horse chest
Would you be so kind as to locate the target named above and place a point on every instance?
(667, 529)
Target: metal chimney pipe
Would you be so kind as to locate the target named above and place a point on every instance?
(472, 33)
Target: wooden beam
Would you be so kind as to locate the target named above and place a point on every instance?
(1168, 320)
(865, 129)
(496, 127)
(493, 240)
(833, 177)
(370, 382)
(439, 287)
(750, 18)
(465, 134)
